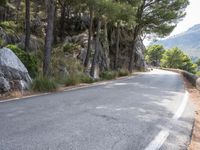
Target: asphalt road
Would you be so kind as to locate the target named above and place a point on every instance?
(136, 113)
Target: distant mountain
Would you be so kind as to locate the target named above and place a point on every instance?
(188, 41)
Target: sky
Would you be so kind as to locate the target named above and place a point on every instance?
(192, 17)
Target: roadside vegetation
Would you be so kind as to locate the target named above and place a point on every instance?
(175, 58)
(70, 42)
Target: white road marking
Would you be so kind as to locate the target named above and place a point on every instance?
(158, 141)
(163, 134)
(180, 110)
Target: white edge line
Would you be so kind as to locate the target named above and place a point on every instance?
(181, 109)
(163, 134)
(158, 140)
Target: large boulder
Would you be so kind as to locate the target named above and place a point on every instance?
(4, 85)
(13, 71)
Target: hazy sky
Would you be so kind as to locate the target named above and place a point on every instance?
(192, 17)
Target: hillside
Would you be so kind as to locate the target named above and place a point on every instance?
(188, 41)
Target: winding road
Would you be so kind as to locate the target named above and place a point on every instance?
(150, 111)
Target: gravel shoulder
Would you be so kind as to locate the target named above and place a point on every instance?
(195, 98)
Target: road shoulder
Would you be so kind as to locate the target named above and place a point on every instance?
(195, 98)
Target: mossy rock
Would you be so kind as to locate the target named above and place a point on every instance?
(27, 59)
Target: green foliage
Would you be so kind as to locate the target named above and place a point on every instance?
(123, 72)
(198, 73)
(154, 54)
(1, 43)
(86, 79)
(160, 17)
(43, 84)
(72, 79)
(28, 60)
(198, 62)
(108, 75)
(175, 58)
(3, 2)
(7, 24)
(11, 27)
(70, 47)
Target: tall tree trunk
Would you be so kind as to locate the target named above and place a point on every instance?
(27, 28)
(49, 37)
(62, 22)
(55, 31)
(94, 62)
(106, 46)
(132, 51)
(18, 4)
(89, 39)
(117, 46)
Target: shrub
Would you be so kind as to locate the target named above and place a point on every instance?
(108, 75)
(28, 60)
(70, 47)
(86, 79)
(123, 72)
(198, 73)
(72, 79)
(43, 84)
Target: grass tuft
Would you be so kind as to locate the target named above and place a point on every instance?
(44, 84)
(123, 72)
(108, 75)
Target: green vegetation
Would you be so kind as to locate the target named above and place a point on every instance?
(108, 75)
(27, 59)
(123, 72)
(44, 84)
(72, 80)
(70, 43)
(198, 73)
(70, 47)
(175, 58)
(154, 54)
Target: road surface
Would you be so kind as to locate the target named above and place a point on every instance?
(147, 112)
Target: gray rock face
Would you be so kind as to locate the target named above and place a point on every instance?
(4, 85)
(9, 59)
(139, 52)
(13, 71)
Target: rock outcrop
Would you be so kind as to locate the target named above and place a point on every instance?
(125, 46)
(139, 55)
(13, 73)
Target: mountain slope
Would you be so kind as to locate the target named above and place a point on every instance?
(188, 41)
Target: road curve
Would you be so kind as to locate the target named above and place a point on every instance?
(137, 113)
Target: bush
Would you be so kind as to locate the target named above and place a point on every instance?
(198, 73)
(123, 72)
(108, 75)
(43, 84)
(70, 47)
(28, 60)
(72, 79)
(86, 79)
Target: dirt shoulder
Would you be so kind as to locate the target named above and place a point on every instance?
(195, 98)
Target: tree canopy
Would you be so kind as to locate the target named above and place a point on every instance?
(175, 58)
